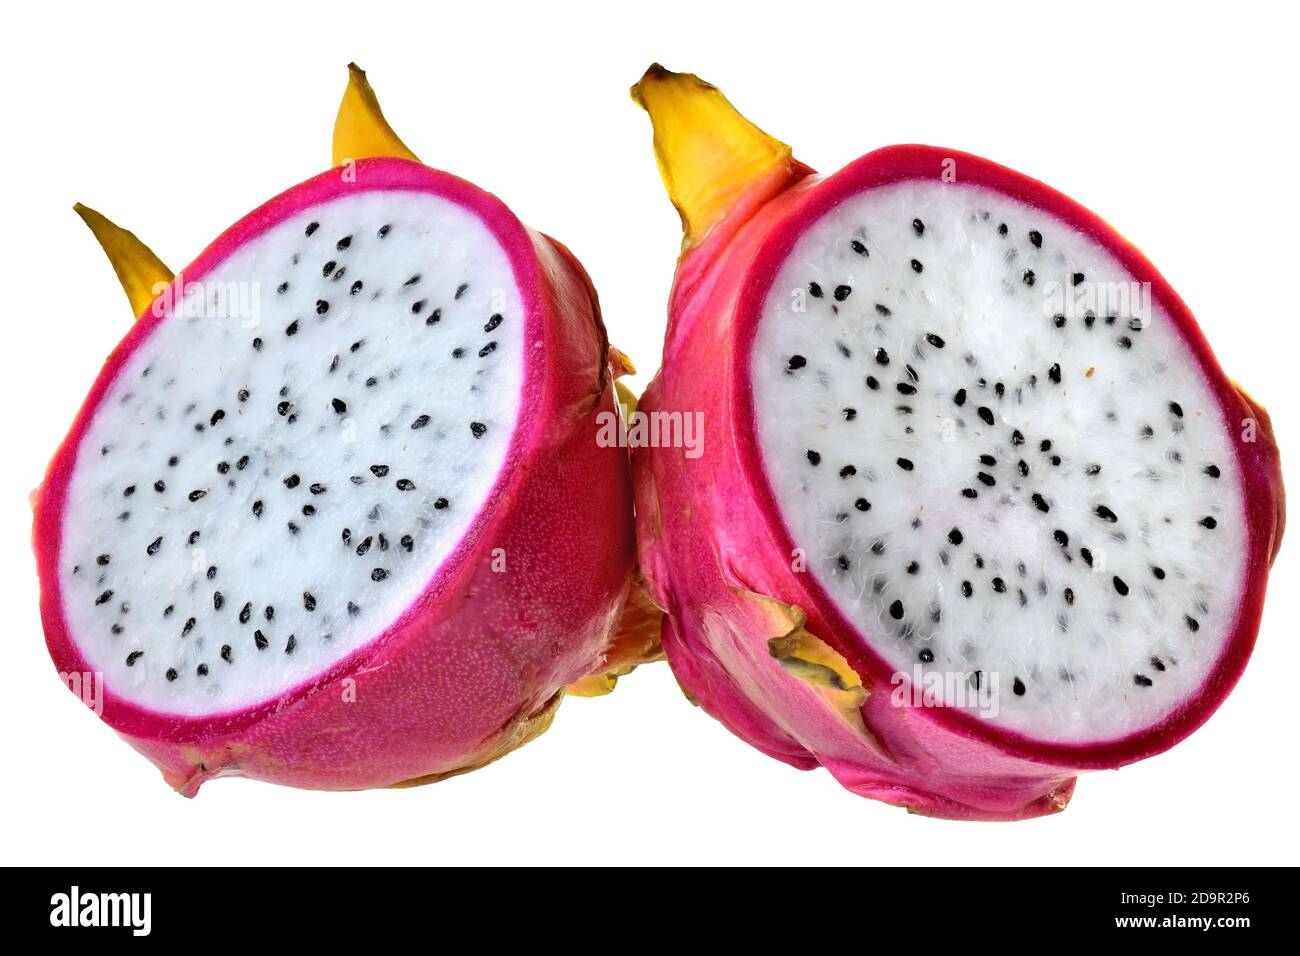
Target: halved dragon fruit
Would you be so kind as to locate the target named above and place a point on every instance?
(977, 508)
(334, 514)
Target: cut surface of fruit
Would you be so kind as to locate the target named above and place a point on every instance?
(277, 471)
(1001, 458)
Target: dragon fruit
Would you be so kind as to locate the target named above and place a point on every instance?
(334, 514)
(975, 508)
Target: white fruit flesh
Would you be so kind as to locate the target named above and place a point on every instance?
(1139, 630)
(390, 357)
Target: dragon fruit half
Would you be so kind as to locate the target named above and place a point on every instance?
(973, 507)
(334, 514)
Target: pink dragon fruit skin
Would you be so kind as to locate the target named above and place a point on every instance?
(477, 663)
(717, 552)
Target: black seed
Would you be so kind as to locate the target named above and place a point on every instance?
(321, 307)
(999, 585)
(969, 493)
(916, 266)
(379, 471)
(356, 288)
(194, 536)
(408, 542)
(159, 486)
(316, 488)
(218, 600)
(1176, 409)
(872, 383)
(1158, 572)
(896, 610)
(1077, 278)
(1142, 680)
(492, 323)
(418, 307)
(905, 464)
(986, 479)
(967, 589)
(461, 289)
(862, 504)
(934, 340)
(1059, 321)
(1068, 594)
(343, 243)
(487, 350)
(282, 288)
(918, 227)
(312, 227)
(171, 674)
(883, 310)
(291, 328)
(814, 290)
(1027, 277)
(878, 548)
(104, 598)
(1040, 502)
(1018, 687)
(283, 408)
(850, 414)
(353, 610)
(292, 481)
(1106, 514)
(905, 389)
(308, 601)
(478, 429)
(441, 503)
(1192, 623)
(257, 509)
(814, 458)
(986, 415)
(260, 640)
(290, 644)
(1208, 522)
(1054, 373)
(1061, 537)
(1086, 555)
(364, 546)
(795, 362)
(419, 422)
(268, 612)
(378, 574)
(955, 536)
(257, 344)
(339, 405)
(926, 656)
(959, 399)
(1120, 586)
(197, 494)
(309, 510)
(293, 528)
(882, 357)
(405, 484)
(842, 292)
(848, 471)
(328, 268)
(187, 626)
(212, 571)
(1212, 471)
(242, 463)
(988, 460)
(1157, 663)
(1036, 238)
(1092, 470)
(223, 467)
(843, 562)
(858, 247)
(245, 612)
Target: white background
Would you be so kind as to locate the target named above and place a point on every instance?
(1179, 127)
